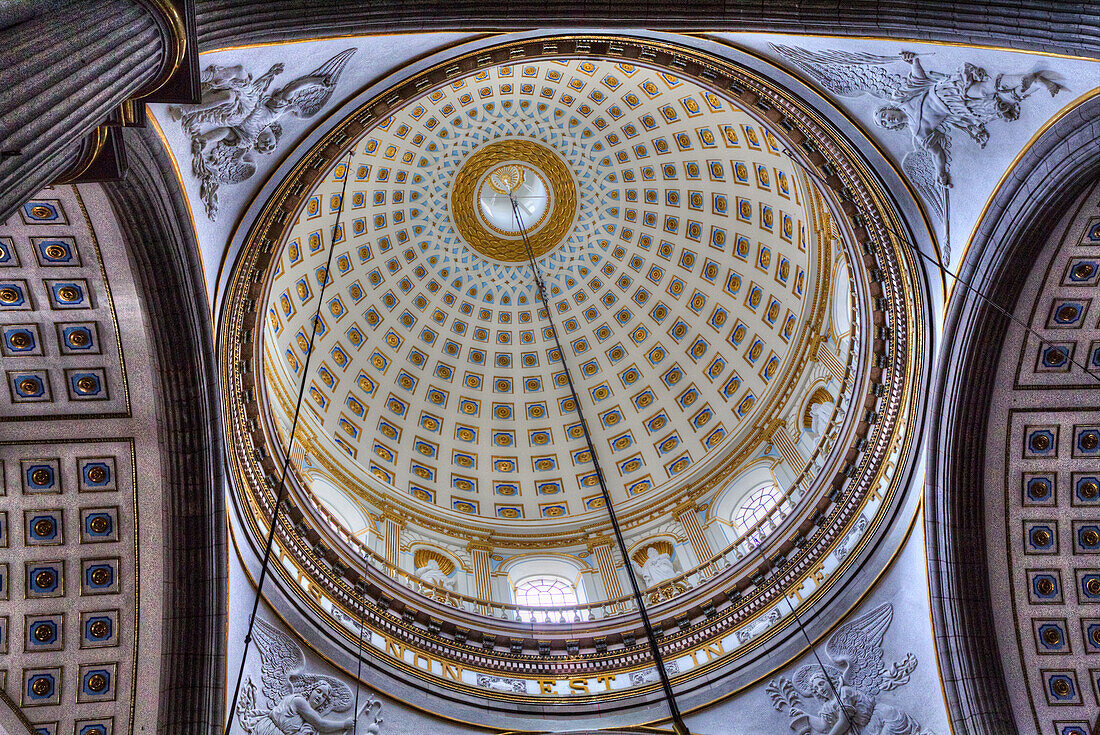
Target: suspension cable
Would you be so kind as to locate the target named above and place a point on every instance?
(844, 709)
(281, 496)
(358, 674)
(662, 673)
(947, 271)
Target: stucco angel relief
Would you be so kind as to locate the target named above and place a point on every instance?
(299, 703)
(930, 105)
(239, 118)
(831, 698)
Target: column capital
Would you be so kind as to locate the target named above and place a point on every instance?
(390, 513)
(685, 506)
(769, 430)
(479, 545)
(597, 541)
(174, 25)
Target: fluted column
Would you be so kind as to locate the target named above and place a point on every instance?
(391, 537)
(605, 563)
(786, 446)
(826, 357)
(688, 516)
(483, 588)
(65, 68)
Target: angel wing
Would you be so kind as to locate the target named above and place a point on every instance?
(220, 165)
(1049, 80)
(280, 657)
(920, 167)
(857, 649)
(845, 73)
(306, 95)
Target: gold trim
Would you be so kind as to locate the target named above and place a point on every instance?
(901, 368)
(129, 411)
(702, 33)
(187, 200)
(19, 715)
(559, 216)
(840, 620)
(1070, 107)
(177, 30)
(886, 156)
(93, 145)
(926, 42)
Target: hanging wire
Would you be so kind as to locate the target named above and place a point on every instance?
(358, 672)
(281, 496)
(844, 709)
(947, 271)
(662, 673)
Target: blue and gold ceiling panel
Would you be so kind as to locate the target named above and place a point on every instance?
(624, 174)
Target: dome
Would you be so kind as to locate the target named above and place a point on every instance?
(680, 251)
(734, 330)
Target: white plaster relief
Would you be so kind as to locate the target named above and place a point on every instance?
(650, 675)
(502, 683)
(846, 691)
(295, 702)
(929, 104)
(758, 626)
(849, 541)
(238, 117)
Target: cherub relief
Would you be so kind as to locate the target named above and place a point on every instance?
(929, 104)
(847, 692)
(238, 118)
(298, 703)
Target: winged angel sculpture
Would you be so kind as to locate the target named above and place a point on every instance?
(238, 118)
(930, 104)
(298, 703)
(856, 677)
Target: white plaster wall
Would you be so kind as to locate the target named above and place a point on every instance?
(904, 585)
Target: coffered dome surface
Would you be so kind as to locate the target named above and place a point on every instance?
(673, 236)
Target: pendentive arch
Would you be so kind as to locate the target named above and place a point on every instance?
(153, 217)
(1032, 199)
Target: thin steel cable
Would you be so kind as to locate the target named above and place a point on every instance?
(358, 672)
(662, 673)
(813, 649)
(939, 264)
(286, 462)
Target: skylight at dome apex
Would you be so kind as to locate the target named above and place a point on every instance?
(680, 256)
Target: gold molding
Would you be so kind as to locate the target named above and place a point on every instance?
(1069, 107)
(899, 370)
(177, 31)
(558, 218)
(93, 145)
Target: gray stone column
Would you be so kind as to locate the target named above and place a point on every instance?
(67, 66)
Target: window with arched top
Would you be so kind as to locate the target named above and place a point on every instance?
(753, 508)
(545, 592)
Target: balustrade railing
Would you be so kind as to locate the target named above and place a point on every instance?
(658, 593)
